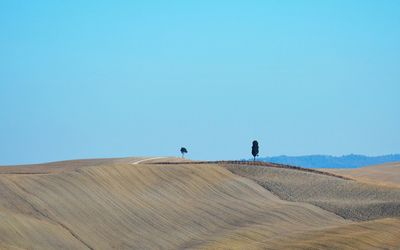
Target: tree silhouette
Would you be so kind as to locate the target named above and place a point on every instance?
(254, 149)
(183, 151)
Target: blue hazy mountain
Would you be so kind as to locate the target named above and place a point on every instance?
(328, 161)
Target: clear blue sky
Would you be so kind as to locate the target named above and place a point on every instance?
(97, 78)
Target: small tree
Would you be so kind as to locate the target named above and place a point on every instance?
(183, 151)
(254, 149)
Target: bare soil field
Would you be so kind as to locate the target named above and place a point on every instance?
(144, 206)
(376, 234)
(347, 198)
(63, 166)
(71, 165)
(387, 174)
(117, 204)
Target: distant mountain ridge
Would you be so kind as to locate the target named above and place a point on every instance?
(328, 161)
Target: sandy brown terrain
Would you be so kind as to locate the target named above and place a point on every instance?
(116, 204)
(385, 174)
(348, 198)
(64, 166)
(377, 234)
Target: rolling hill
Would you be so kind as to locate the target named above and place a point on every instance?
(117, 204)
(387, 174)
(348, 198)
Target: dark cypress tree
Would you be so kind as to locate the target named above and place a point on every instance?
(254, 149)
(183, 151)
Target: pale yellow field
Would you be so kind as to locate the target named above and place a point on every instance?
(116, 205)
(385, 174)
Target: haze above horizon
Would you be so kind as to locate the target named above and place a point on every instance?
(111, 79)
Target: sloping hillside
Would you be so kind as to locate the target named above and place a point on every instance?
(114, 204)
(144, 206)
(347, 198)
(387, 174)
(64, 166)
(377, 234)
